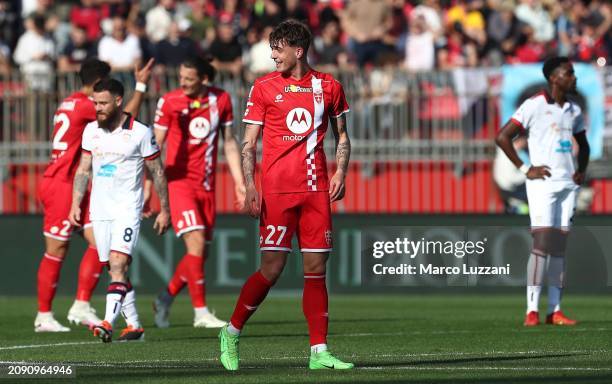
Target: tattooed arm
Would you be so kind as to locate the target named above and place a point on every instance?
(156, 170)
(79, 188)
(249, 156)
(343, 154)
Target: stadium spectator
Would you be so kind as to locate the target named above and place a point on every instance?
(330, 53)
(88, 15)
(259, 60)
(121, 50)
(420, 54)
(367, 22)
(177, 47)
(456, 51)
(271, 14)
(295, 10)
(225, 49)
(159, 20)
(137, 28)
(534, 14)
(9, 23)
(528, 49)
(432, 12)
(503, 32)
(468, 15)
(35, 53)
(202, 23)
(5, 59)
(76, 51)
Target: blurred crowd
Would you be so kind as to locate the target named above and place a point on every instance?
(41, 36)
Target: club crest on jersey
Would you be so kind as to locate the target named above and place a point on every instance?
(297, 89)
(199, 127)
(318, 96)
(299, 120)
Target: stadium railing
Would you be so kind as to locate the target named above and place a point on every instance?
(421, 142)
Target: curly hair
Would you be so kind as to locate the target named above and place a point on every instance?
(292, 33)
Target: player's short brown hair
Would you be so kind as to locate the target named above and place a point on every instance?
(292, 33)
(114, 87)
(202, 66)
(93, 70)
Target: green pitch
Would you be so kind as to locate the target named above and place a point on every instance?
(393, 339)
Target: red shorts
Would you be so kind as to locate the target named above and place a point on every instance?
(56, 198)
(191, 208)
(306, 213)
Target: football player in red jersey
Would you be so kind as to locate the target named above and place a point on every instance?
(70, 119)
(188, 122)
(292, 106)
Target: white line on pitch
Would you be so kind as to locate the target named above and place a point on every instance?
(47, 345)
(454, 368)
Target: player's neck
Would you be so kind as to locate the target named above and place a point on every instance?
(300, 70)
(558, 95)
(86, 90)
(118, 121)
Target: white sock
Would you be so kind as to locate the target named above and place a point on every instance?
(128, 309)
(201, 311)
(318, 348)
(554, 298)
(114, 300)
(533, 297)
(233, 330)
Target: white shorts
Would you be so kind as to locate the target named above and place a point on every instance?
(116, 235)
(551, 204)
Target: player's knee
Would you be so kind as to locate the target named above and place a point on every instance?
(118, 265)
(195, 242)
(272, 268)
(315, 263)
(56, 248)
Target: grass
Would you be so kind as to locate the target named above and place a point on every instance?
(391, 339)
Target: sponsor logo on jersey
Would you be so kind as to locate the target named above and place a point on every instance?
(68, 105)
(299, 120)
(199, 127)
(107, 170)
(279, 98)
(297, 89)
(565, 146)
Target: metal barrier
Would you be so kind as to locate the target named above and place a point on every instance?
(424, 135)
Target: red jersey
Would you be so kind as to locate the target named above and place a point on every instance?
(294, 115)
(193, 133)
(69, 121)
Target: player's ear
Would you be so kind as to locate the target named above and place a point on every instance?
(299, 52)
(118, 101)
(205, 80)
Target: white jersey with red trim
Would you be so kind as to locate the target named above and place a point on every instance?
(550, 128)
(117, 160)
(295, 116)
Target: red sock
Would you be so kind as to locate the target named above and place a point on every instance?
(48, 275)
(314, 305)
(195, 280)
(179, 279)
(253, 292)
(89, 274)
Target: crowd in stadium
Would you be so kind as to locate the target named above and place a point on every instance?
(46, 35)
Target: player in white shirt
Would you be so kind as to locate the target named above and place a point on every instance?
(118, 147)
(551, 121)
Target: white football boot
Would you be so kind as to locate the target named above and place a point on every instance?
(45, 322)
(82, 313)
(207, 320)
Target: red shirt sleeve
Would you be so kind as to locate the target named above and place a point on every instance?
(255, 108)
(339, 105)
(163, 114)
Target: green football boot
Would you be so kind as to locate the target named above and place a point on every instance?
(325, 360)
(229, 349)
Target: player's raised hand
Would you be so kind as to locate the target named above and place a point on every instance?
(252, 201)
(75, 216)
(336, 187)
(162, 222)
(240, 195)
(539, 172)
(143, 74)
